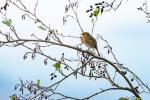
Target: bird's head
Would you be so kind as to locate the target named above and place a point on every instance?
(85, 33)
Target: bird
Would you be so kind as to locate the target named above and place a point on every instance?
(89, 41)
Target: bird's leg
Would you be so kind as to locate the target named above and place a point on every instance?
(92, 51)
(98, 52)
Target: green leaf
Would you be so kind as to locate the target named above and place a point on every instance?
(137, 98)
(7, 22)
(11, 97)
(96, 12)
(35, 92)
(41, 27)
(122, 98)
(42, 93)
(38, 82)
(57, 65)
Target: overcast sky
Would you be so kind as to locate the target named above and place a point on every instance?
(125, 29)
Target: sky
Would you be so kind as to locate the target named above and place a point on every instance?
(125, 29)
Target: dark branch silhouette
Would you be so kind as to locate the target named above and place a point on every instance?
(86, 63)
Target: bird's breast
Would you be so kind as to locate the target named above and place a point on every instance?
(83, 39)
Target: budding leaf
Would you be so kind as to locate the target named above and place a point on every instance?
(38, 82)
(7, 22)
(42, 28)
(96, 12)
(137, 98)
(122, 98)
(12, 97)
(57, 65)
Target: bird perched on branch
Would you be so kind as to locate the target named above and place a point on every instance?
(89, 41)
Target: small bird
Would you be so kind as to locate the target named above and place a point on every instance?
(89, 41)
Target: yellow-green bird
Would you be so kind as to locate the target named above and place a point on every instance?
(89, 41)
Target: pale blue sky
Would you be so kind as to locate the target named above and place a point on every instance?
(125, 29)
